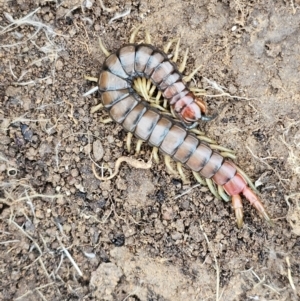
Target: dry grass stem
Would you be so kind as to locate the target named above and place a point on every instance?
(218, 296)
(290, 273)
(70, 257)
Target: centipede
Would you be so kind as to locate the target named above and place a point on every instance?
(126, 82)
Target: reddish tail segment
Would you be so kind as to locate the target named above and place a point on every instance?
(171, 137)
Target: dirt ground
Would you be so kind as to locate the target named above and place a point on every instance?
(144, 235)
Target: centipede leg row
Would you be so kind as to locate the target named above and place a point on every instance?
(173, 137)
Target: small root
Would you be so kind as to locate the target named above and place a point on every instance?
(72, 111)
(130, 161)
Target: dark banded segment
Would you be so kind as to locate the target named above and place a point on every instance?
(169, 80)
(173, 140)
(110, 82)
(154, 60)
(113, 64)
(146, 124)
(174, 89)
(133, 117)
(226, 172)
(126, 56)
(186, 149)
(161, 72)
(142, 55)
(200, 157)
(121, 109)
(160, 131)
(109, 98)
(212, 166)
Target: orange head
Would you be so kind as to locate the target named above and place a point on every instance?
(190, 110)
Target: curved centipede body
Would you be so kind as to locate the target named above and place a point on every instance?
(172, 137)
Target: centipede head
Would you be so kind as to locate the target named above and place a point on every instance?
(191, 110)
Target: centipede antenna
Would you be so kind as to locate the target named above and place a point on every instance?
(209, 118)
(91, 91)
(188, 127)
(103, 49)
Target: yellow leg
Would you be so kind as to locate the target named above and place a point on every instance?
(183, 63)
(212, 188)
(189, 77)
(134, 33)
(105, 120)
(168, 164)
(181, 173)
(90, 78)
(248, 180)
(147, 37)
(158, 96)
(144, 88)
(128, 141)
(156, 106)
(148, 86)
(228, 155)
(198, 91)
(103, 49)
(168, 46)
(221, 148)
(223, 194)
(152, 90)
(138, 146)
(197, 132)
(165, 105)
(96, 108)
(176, 52)
(155, 154)
(140, 85)
(206, 139)
(199, 178)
